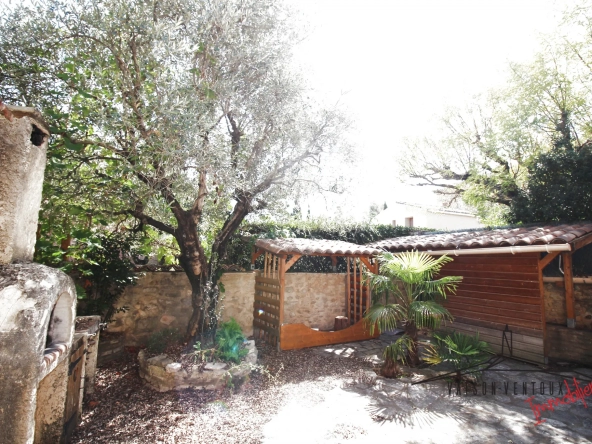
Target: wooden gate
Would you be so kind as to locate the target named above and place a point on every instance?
(268, 308)
(75, 377)
(358, 295)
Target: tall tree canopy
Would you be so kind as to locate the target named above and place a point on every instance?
(482, 152)
(558, 189)
(183, 114)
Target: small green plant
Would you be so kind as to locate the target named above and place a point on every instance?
(201, 356)
(464, 351)
(229, 340)
(159, 341)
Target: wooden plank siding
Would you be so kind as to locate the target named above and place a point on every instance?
(497, 291)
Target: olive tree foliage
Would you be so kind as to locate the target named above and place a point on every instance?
(182, 114)
(482, 152)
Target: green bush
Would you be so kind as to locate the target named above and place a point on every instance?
(558, 189)
(100, 265)
(229, 341)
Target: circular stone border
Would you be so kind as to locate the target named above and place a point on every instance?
(163, 374)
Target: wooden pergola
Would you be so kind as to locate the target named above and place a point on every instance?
(270, 284)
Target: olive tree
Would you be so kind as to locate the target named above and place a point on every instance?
(183, 114)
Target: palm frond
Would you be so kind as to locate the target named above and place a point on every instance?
(462, 350)
(411, 267)
(428, 314)
(384, 317)
(398, 350)
(439, 288)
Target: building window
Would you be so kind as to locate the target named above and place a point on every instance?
(394, 223)
(409, 222)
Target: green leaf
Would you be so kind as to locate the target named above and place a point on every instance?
(73, 146)
(210, 94)
(76, 210)
(86, 95)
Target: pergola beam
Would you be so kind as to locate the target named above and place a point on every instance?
(291, 262)
(548, 258)
(256, 254)
(582, 242)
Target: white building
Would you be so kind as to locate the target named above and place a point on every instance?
(411, 215)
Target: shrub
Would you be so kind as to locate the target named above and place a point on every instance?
(464, 351)
(100, 265)
(229, 340)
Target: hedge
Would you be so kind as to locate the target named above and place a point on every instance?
(242, 244)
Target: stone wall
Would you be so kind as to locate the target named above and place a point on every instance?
(159, 300)
(555, 304)
(163, 300)
(314, 299)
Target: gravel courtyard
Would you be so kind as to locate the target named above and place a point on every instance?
(331, 395)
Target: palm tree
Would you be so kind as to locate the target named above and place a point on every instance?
(406, 294)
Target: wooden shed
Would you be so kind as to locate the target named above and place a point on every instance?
(270, 285)
(502, 293)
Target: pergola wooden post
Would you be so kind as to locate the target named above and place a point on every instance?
(569, 289)
(270, 282)
(568, 284)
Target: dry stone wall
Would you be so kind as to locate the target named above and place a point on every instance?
(163, 300)
(555, 311)
(314, 299)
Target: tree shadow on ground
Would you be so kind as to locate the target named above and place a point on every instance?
(475, 417)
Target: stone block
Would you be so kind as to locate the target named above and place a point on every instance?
(160, 361)
(167, 320)
(212, 366)
(173, 367)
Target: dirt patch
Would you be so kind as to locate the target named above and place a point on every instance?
(124, 410)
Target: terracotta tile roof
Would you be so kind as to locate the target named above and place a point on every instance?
(314, 246)
(504, 237)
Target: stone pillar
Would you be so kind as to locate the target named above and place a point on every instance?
(23, 147)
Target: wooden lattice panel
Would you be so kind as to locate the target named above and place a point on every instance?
(268, 305)
(358, 295)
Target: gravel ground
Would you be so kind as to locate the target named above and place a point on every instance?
(124, 410)
(330, 395)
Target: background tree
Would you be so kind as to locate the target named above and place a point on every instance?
(483, 151)
(182, 114)
(558, 190)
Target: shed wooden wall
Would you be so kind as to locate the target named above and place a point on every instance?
(497, 290)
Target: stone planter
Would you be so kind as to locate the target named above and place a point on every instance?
(163, 374)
